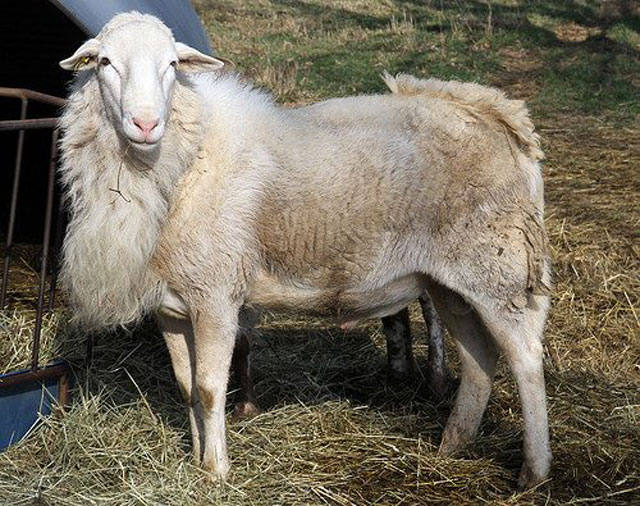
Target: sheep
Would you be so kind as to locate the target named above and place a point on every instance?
(193, 196)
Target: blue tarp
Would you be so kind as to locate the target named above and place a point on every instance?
(91, 16)
(21, 406)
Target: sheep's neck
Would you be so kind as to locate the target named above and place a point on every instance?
(118, 200)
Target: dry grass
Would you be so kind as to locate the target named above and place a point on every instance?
(334, 430)
(16, 336)
(593, 192)
(17, 321)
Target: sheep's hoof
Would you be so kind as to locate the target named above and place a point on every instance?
(455, 440)
(218, 471)
(400, 378)
(439, 386)
(245, 410)
(447, 449)
(529, 478)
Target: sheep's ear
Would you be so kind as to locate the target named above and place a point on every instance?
(192, 60)
(84, 58)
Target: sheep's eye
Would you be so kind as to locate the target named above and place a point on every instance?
(104, 61)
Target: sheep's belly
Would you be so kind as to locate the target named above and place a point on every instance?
(347, 304)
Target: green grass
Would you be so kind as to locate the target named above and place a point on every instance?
(587, 61)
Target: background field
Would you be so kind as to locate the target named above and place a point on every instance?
(334, 431)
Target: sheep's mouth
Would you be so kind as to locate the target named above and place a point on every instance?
(143, 144)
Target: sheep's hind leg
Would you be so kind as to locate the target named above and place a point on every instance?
(478, 358)
(397, 330)
(437, 373)
(518, 334)
(178, 335)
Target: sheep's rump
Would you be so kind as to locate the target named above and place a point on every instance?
(487, 103)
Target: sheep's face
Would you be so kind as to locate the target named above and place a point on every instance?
(136, 59)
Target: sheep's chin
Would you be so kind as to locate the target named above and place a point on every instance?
(143, 146)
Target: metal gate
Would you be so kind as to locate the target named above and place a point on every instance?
(28, 394)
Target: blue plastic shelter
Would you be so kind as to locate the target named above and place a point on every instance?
(91, 15)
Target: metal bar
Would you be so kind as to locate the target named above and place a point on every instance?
(59, 228)
(30, 94)
(45, 250)
(12, 209)
(28, 124)
(39, 375)
(63, 391)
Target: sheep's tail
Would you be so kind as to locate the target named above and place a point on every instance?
(489, 103)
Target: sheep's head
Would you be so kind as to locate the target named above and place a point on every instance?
(135, 58)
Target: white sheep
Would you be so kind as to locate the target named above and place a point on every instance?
(193, 195)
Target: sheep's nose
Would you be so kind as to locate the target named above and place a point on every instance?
(145, 125)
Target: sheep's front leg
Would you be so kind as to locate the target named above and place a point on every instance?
(178, 335)
(437, 373)
(397, 330)
(247, 406)
(215, 329)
